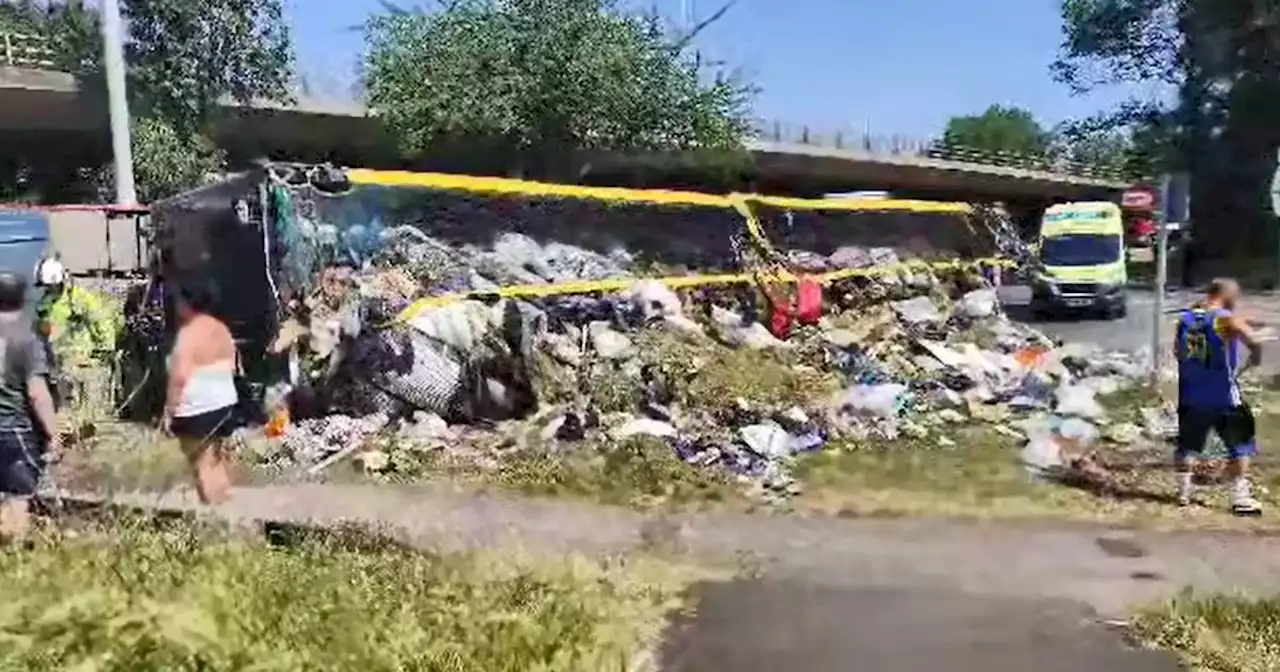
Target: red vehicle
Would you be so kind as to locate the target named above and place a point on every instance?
(1140, 208)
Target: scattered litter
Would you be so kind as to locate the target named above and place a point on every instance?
(1079, 400)
(980, 303)
(731, 377)
(918, 310)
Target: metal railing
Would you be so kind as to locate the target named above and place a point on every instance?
(33, 51)
(22, 50)
(932, 148)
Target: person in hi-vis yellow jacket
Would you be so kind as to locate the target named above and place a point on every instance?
(78, 325)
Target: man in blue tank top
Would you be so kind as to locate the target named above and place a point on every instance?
(1207, 347)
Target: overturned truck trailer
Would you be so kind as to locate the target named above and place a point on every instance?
(407, 287)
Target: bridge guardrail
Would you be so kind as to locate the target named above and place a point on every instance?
(34, 51)
(933, 148)
(23, 50)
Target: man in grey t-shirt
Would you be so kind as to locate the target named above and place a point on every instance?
(28, 430)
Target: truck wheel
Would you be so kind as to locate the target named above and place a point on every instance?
(1120, 312)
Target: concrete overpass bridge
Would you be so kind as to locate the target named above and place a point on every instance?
(56, 110)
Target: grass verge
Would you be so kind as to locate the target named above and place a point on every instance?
(981, 477)
(641, 473)
(1218, 633)
(137, 600)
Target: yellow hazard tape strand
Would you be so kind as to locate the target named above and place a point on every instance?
(754, 231)
(688, 281)
(531, 189)
(742, 203)
(859, 204)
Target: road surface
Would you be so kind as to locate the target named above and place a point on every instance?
(830, 594)
(1133, 333)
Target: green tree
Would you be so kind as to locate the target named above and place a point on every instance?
(998, 129)
(533, 81)
(1221, 60)
(167, 162)
(184, 58)
(1119, 151)
(70, 27)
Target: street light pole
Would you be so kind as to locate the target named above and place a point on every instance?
(117, 97)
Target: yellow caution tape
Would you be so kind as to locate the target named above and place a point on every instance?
(740, 202)
(685, 282)
(500, 185)
(859, 204)
(530, 188)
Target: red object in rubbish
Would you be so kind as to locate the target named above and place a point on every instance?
(780, 319)
(809, 301)
(807, 309)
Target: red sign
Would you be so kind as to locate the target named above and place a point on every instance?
(1138, 199)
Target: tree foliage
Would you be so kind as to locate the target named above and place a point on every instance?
(536, 80)
(167, 162)
(70, 27)
(1222, 62)
(999, 129)
(184, 58)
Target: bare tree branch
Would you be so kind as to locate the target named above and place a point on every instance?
(687, 38)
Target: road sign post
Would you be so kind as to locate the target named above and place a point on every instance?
(1275, 208)
(1157, 308)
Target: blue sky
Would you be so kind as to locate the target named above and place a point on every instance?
(884, 66)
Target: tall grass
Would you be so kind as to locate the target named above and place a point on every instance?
(138, 600)
(1220, 633)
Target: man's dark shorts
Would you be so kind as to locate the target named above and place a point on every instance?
(21, 462)
(1235, 426)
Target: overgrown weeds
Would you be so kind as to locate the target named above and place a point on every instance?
(117, 599)
(1219, 633)
(643, 473)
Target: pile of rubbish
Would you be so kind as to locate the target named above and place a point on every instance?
(404, 339)
(902, 354)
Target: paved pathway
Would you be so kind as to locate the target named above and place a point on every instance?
(829, 593)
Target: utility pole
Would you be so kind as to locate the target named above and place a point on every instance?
(117, 96)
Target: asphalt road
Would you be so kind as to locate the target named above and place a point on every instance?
(764, 626)
(1132, 333)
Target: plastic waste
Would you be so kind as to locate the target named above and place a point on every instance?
(980, 303)
(1080, 431)
(919, 310)
(944, 354)
(1035, 391)
(1042, 451)
(1103, 384)
(884, 400)
(1159, 423)
(462, 326)
(755, 336)
(652, 299)
(850, 257)
(809, 301)
(608, 343)
(1078, 400)
(805, 442)
(766, 439)
(644, 427)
